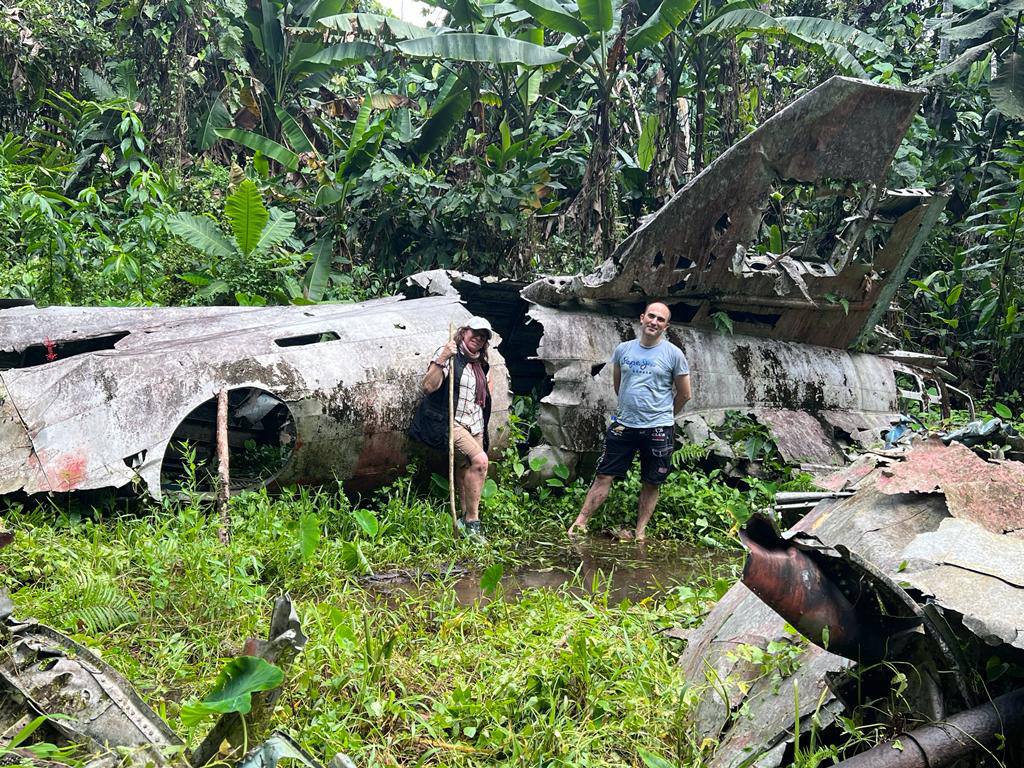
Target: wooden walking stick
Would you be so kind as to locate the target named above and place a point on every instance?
(451, 432)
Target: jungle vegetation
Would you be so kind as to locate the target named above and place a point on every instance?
(256, 152)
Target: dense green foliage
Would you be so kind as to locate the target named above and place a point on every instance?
(528, 137)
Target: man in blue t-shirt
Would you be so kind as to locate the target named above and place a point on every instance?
(652, 381)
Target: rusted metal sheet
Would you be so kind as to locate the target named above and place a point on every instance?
(785, 384)
(698, 252)
(102, 413)
(747, 711)
(800, 437)
(989, 493)
(858, 540)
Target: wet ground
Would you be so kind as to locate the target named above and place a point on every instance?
(625, 570)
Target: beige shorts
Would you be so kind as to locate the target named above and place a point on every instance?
(467, 445)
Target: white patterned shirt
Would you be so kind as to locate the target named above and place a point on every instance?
(468, 412)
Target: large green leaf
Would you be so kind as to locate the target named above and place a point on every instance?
(976, 28)
(291, 128)
(100, 88)
(645, 147)
(268, 147)
(216, 116)
(201, 233)
(596, 14)
(374, 24)
(554, 16)
(842, 56)
(961, 62)
(444, 117)
(315, 281)
(530, 79)
(343, 54)
(246, 214)
(1007, 87)
(740, 20)
(279, 228)
(825, 30)
(669, 15)
(470, 46)
(270, 28)
(232, 692)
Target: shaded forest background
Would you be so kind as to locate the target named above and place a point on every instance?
(261, 151)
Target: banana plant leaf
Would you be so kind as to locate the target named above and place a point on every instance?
(491, 49)
(268, 147)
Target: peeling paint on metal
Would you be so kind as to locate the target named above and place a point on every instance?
(991, 494)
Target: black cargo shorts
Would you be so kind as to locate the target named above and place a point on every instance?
(655, 445)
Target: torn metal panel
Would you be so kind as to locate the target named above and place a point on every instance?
(349, 375)
(697, 252)
(991, 494)
(745, 710)
(800, 437)
(786, 383)
(975, 572)
(45, 672)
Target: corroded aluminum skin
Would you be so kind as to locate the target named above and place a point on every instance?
(70, 424)
(789, 385)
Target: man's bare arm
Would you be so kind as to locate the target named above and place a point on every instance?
(616, 377)
(682, 393)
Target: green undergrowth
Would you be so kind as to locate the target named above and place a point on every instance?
(553, 677)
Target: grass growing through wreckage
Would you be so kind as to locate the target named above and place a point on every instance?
(552, 678)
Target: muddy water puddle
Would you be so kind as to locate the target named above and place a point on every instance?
(625, 570)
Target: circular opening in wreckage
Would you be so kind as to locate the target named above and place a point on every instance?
(261, 439)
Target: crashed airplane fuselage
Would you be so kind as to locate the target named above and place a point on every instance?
(104, 397)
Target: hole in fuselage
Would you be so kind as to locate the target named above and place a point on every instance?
(261, 438)
(49, 351)
(309, 338)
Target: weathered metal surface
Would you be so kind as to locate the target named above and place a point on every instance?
(696, 252)
(975, 572)
(787, 384)
(821, 597)
(103, 417)
(749, 713)
(991, 494)
(989, 727)
(860, 541)
(45, 672)
(800, 437)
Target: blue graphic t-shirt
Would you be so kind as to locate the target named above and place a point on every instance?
(645, 382)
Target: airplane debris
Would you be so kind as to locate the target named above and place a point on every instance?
(898, 552)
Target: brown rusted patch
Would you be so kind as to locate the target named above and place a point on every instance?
(990, 494)
(800, 437)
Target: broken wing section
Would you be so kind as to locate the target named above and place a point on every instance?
(811, 171)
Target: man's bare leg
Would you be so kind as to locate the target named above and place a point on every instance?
(595, 498)
(648, 500)
(476, 476)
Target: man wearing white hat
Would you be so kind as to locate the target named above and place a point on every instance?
(472, 412)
